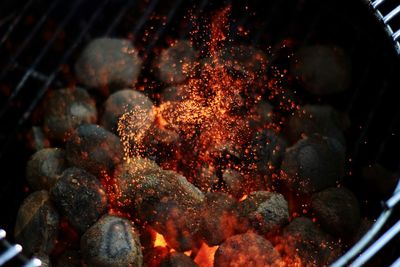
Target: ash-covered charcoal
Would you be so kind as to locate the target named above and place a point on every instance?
(234, 182)
(176, 63)
(310, 119)
(313, 164)
(79, 197)
(265, 150)
(112, 241)
(65, 110)
(247, 249)
(305, 242)
(337, 210)
(94, 149)
(44, 258)
(44, 168)
(70, 258)
(36, 227)
(129, 101)
(323, 69)
(177, 259)
(266, 211)
(219, 218)
(108, 62)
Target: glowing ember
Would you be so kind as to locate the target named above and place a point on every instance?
(205, 256)
(160, 241)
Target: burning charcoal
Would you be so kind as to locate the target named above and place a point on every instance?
(337, 210)
(247, 249)
(176, 63)
(70, 258)
(234, 182)
(261, 114)
(124, 101)
(323, 70)
(112, 241)
(44, 168)
(220, 218)
(266, 150)
(266, 211)
(162, 198)
(313, 164)
(36, 228)
(44, 258)
(177, 259)
(65, 110)
(206, 178)
(79, 197)
(305, 242)
(108, 62)
(94, 149)
(312, 119)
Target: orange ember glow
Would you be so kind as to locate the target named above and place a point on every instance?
(205, 256)
(160, 241)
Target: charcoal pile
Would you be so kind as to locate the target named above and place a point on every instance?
(212, 169)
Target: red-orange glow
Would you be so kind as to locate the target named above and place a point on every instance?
(205, 256)
(160, 241)
(243, 198)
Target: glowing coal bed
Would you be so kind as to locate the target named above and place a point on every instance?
(222, 168)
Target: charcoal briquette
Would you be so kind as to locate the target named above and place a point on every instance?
(69, 258)
(219, 218)
(80, 198)
(107, 63)
(112, 242)
(176, 63)
(234, 182)
(94, 149)
(313, 164)
(44, 168)
(247, 249)
(266, 211)
(128, 100)
(337, 210)
(305, 241)
(65, 110)
(36, 227)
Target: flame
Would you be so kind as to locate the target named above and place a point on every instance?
(205, 256)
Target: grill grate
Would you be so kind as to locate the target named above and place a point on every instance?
(34, 63)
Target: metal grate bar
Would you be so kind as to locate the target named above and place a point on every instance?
(376, 3)
(163, 27)
(28, 39)
(144, 17)
(391, 15)
(39, 58)
(15, 22)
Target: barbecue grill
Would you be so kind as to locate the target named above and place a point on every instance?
(40, 41)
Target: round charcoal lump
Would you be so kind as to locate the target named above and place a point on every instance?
(44, 167)
(36, 228)
(323, 70)
(337, 210)
(120, 102)
(313, 164)
(177, 62)
(65, 110)
(79, 197)
(94, 149)
(108, 62)
(113, 242)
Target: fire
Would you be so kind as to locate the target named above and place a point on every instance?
(205, 256)
(160, 241)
